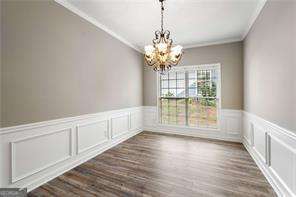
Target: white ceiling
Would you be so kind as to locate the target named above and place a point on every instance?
(191, 22)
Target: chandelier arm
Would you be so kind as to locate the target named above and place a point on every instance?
(151, 63)
(157, 38)
(171, 63)
(157, 68)
(169, 41)
(177, 61)
(167, 34)
(157, 34)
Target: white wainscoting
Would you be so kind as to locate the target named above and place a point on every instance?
(136, 120)
(274, 150)
(58, 143)
(89, 137)
(33, 154)
(230, 126)
(36, 153)
(119, 125)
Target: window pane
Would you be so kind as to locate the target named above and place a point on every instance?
(168, 93)
(202, 113)
(214, 76)
(165, 120)
(164, 110)
(180, 75)
(208, 75)
(164, 103)
(172, 83)
(172, 111)
(192, 92)
(192, 83)
(164, 92)
(173, 119)
(212, 89)
(201, 75)
(172, 75)
(171, 93)
(181, 111)
(172, 103)
(212, 112)
(202, 88)
(192, 74)
(207, 88)
(192, 111)
(180, 83)
(180, 93)
(164, 83)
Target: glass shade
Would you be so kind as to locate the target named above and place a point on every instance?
(177, 49)
(175, 53)
(162, 47)
(149, 49)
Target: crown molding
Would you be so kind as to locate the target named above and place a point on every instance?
(253, 18)
(212, 43)
(93, 21)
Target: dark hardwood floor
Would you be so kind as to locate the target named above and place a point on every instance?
(151, 164)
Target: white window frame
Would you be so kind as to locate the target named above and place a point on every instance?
(216, 66)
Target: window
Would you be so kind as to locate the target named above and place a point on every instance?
(189, 96)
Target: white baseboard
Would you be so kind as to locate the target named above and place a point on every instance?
(35, 153)
(193, 133)
(230, 127)
(274, 151)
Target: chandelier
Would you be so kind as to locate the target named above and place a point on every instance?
(162, 55)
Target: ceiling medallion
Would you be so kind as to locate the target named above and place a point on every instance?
(162, 56)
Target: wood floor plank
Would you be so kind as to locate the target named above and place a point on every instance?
(151, 164)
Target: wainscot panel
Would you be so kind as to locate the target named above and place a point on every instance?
(119, 125)
(136, 120)
(35, 153)
(274, 150)
(32, 154)
(91, 134)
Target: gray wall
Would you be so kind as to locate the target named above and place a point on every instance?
(269, 65)
(55, 64)
(0, 63)
(231, 58)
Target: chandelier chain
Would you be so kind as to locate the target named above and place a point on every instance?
(162, 9)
